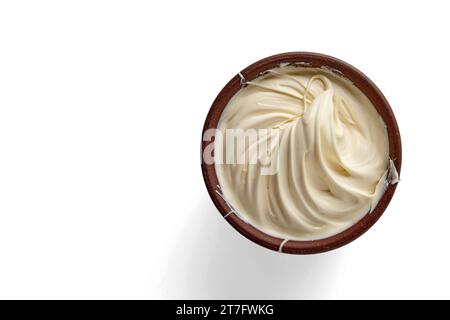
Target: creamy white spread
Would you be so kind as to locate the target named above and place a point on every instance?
(333, 154)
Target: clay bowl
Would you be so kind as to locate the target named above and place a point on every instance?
(302, 59)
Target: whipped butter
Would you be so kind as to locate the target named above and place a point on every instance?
(332, 154)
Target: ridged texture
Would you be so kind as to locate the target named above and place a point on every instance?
(332, 155)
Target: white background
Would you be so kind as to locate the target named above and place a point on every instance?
(102, 105)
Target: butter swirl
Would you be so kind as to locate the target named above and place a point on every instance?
(333, 154)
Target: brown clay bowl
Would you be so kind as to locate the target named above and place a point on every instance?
(302, 59)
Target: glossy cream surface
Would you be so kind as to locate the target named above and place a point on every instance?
(332, 156)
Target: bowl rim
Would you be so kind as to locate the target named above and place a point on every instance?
(310, 60)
